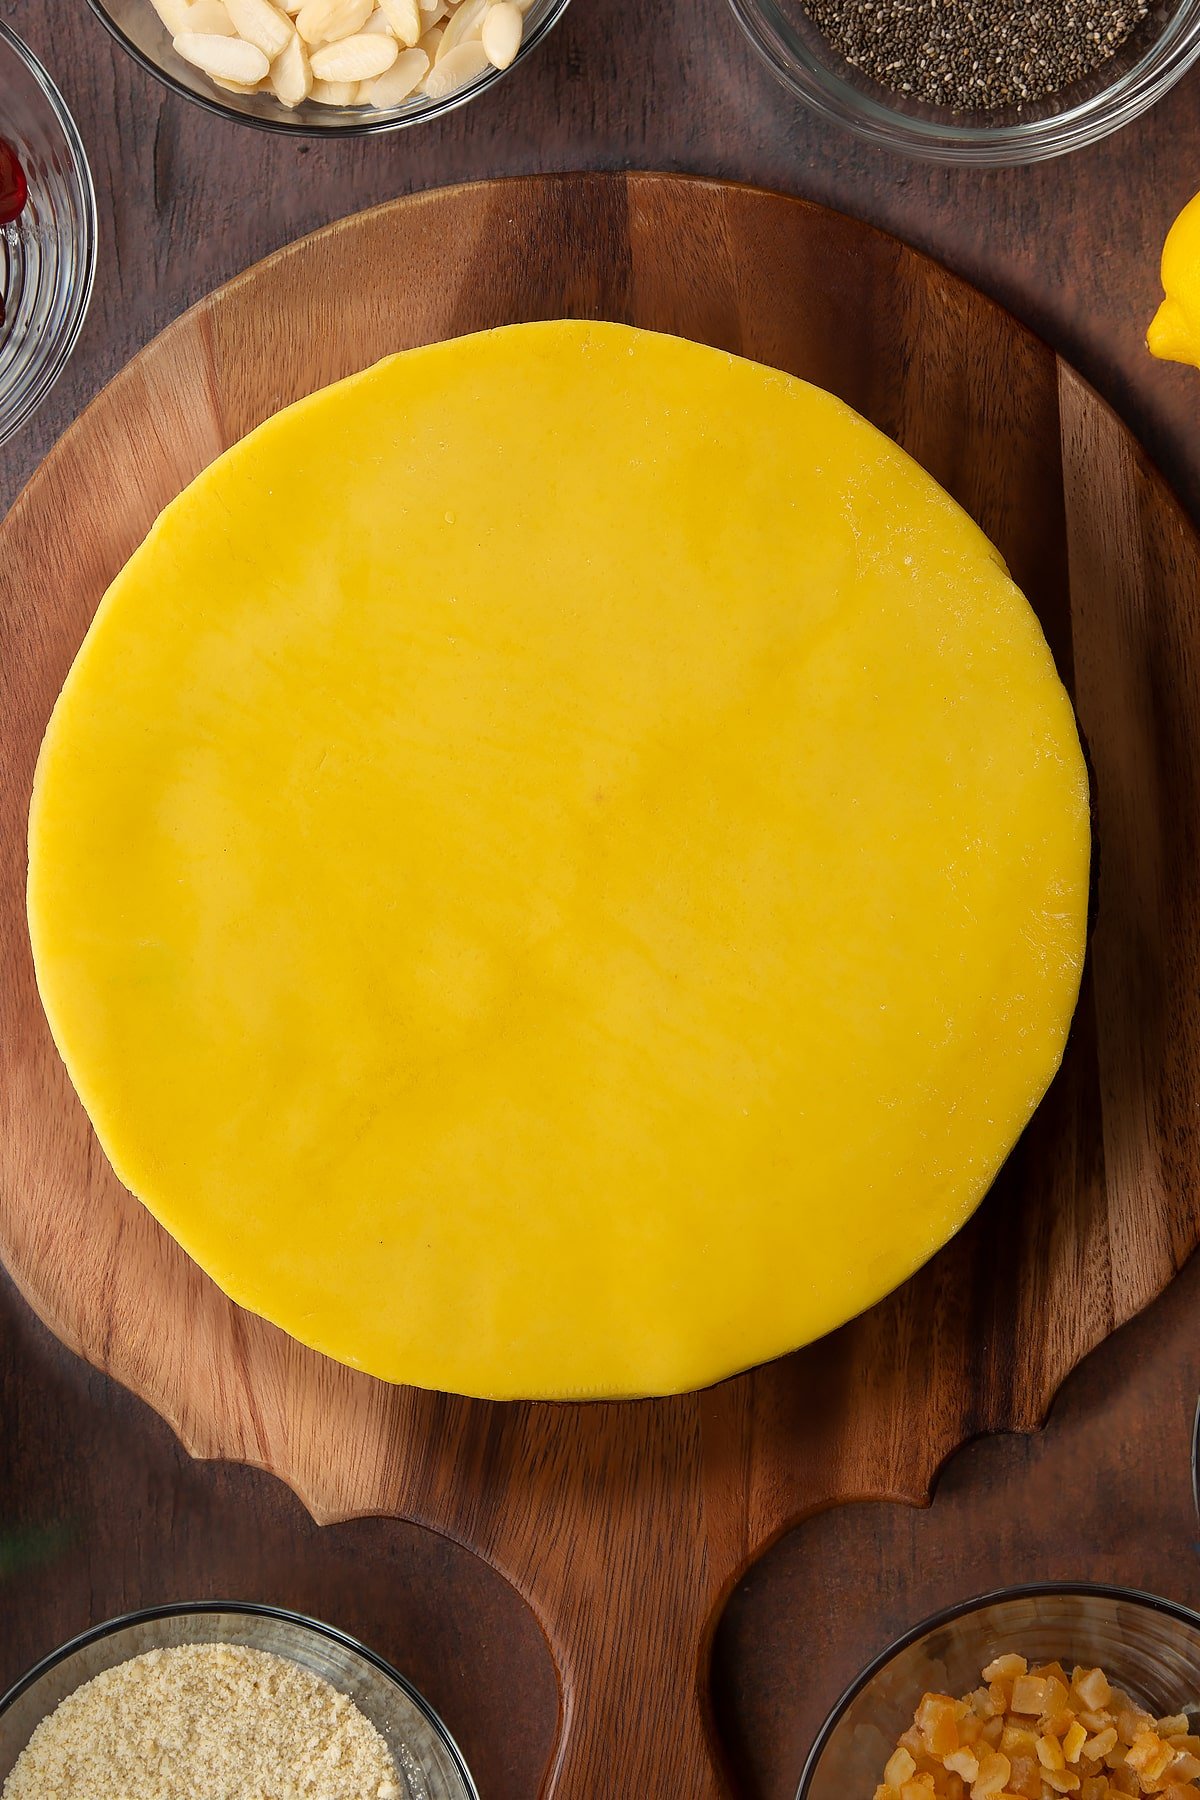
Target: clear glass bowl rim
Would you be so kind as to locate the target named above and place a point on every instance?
(1095, 1590)
(350, 123)
(89, 231)
(1165, 61)
(249, 1609)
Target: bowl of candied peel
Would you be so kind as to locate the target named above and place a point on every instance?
(315, 67)
(1031, 1694)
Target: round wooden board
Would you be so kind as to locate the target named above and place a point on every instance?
(625, 1525)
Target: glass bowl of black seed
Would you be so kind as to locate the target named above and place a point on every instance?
(989, 82)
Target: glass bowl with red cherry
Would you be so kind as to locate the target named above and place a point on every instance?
(47, 233)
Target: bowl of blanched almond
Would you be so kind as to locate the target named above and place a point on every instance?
(318, 66)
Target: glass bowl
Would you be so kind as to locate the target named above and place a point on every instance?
(1147, 1646)
(1159, 51)
(139, 30)
(48, 254)
(428, 1762)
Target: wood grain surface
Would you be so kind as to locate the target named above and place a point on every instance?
(626, 1526)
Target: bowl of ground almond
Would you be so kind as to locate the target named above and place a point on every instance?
(991, 83)
(1034, 1694)
(215, 1699)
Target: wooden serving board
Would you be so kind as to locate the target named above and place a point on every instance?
(626, 1525)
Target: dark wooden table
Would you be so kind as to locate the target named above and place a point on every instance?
(99, 1509)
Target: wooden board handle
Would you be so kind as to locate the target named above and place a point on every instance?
(635, 1711)
(628, 1593)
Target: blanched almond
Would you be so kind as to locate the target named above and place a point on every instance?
(174, 15)
(359, 58)
(377, 25)
(400, 81)
(324, 21)
(501, 36)
(232, 58)
(261, 24)
(464, 23)
(404, 17)
(210, 18)
(334, 93)
(291, 73)
(455, 68)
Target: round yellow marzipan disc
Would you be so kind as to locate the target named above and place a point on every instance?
(561, 865)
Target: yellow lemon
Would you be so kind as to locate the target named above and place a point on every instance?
(1174, 332)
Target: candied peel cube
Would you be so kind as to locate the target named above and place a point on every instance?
(994, 1771)
(1031, 1695)
(1026, 1777)
(1056, 1723)
(1148, 1755)
(1093, 1689)
(1035, 1733)
(1006, 1668)
(900, 1768)
(1063, 1781)
(937, 1724)
(1073, 1742)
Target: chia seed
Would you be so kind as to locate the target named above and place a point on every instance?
(977, 55)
